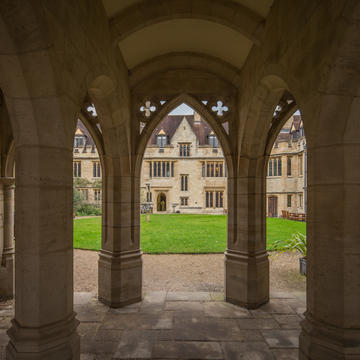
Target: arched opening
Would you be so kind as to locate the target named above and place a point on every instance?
(7, 203)
(286, 200)
(161, 202)
(183, 193)
(88, 177)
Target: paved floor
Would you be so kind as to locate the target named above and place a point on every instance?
(184, 325)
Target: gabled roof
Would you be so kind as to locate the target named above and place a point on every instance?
(82, 130)
(296, 123)
(170, 124)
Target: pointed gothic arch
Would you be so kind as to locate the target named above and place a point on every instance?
(166, 109)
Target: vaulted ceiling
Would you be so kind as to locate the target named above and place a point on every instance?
(223, 29)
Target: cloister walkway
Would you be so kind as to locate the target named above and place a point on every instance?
(184, 325)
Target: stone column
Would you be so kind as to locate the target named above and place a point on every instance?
(120, 263)
(246, 259)
(331, 329)
(7, 259)
(44, 326)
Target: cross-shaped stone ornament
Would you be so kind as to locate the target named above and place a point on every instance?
(220, 108)
(147, 109)
(91, 110)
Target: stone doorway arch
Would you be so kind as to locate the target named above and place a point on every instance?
(161, 202)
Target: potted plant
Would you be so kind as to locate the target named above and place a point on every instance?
(296, 243)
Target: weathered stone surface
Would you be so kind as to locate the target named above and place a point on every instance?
(250, 350)
(281, 338)
(187, 350)
(188, 306)
(225, 310)
(286, 354)
(258, 324)
(136, 344)
(288, 321)
(188, 296)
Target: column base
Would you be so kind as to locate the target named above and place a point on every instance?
(7, 276)
(319, 341)
(120, 278)
(58, 341)
(246, 278)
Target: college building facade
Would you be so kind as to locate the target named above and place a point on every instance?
(184, 169)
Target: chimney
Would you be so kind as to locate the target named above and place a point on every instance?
(197, 118)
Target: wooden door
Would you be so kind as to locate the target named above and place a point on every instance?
(273, 206)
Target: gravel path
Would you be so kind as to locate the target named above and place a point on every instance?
(189, 272)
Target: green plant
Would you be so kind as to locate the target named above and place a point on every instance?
(78, 198)
(297, 242)
(97, 184)
(80, 182)
(88, 210)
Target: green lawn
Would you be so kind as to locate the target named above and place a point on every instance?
(180, 233)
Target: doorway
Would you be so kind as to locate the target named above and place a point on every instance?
(161, 202)
(273, 206)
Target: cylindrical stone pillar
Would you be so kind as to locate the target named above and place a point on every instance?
(44, 326)
(7, 259)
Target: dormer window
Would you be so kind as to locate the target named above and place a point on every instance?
(213, 140)
(161, 138)
(79, 141)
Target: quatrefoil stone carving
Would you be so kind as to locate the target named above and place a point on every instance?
(147, 109)
(220, 108)
(91, 110)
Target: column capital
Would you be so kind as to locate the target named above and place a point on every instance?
(7, 181)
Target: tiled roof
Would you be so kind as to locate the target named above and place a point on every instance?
(88, 139)
(171, 122)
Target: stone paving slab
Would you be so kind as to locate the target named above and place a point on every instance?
(136, 344)
(258, 324)
(188, 296)
(185, 306)
(278, 306)
(137, 321)
(247, 351)
(288, 321)
(224, 310)
(286, 354)
(282, 338)
(200, 326)
(187, 350)
(211, 329)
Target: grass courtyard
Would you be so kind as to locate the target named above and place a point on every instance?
(181, 233)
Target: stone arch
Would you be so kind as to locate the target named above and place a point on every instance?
(181, 60)
(167, 107)
(231, 14)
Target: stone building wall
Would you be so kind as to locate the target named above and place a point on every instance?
(290, 143)
(289, 187)
(193, 166)
(87, 179)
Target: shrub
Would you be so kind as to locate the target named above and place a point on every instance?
(88, 210)
(78, 198)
